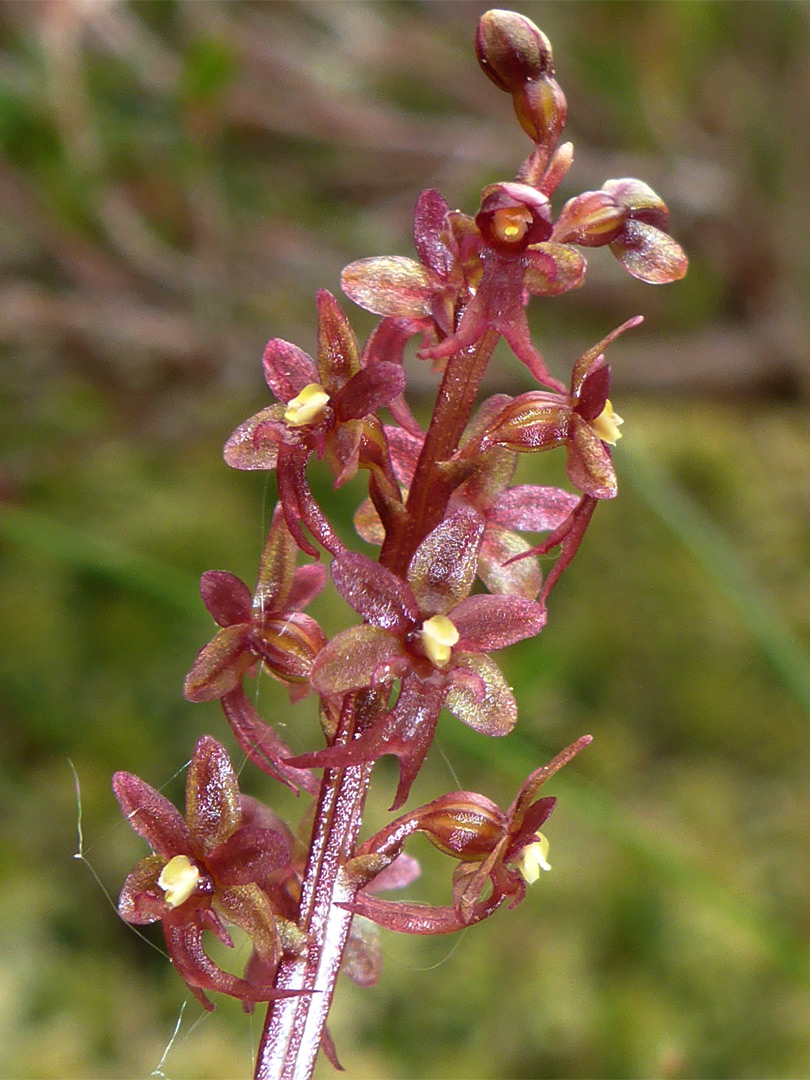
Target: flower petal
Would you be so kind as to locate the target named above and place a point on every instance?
(152, 816)
(650, 254)
(552, 269)
(252, 446)
(213, 810)
(520, 578)
(141, 900)
(589, 465)
(226, 597)
(486, 623)
(338, 353)
(492, 709)
(390, 285)
(369, 390)
(361, 656)
(287, 369)
(442, 570)
(532, 507)
(220, 665)
(374, 592)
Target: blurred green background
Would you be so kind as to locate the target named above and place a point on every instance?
(177, 179)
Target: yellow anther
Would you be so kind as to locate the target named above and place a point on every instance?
(178, 879)
(533, 859)
(606, 425)
(439, 635)
(308, 406)
(511, 223)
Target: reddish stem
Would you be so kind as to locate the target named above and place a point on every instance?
(294, 1026)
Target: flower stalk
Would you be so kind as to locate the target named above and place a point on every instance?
(455, 581)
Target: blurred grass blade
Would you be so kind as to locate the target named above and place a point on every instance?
(84, 550)
(698, 535)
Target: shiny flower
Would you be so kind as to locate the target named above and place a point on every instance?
(431, 634)
(207, 869)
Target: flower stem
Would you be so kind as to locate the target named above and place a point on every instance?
(294, 1026)
(430, 491)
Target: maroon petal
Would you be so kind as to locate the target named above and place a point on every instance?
(226, 597)
(152, 816)
(252, 854)
(200, 973)
(428, 223)
(374, 592)
(442, 570)
(287, 369)
(307, 583)
(338, 354)
(262, 745)
(359, 657)
(369, 390)
(593, 393)
(532, 507)
(213, 810)
(486, 623)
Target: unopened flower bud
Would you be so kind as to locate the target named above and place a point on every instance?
(531, 422)
(541, 110)
(467, 828)
(511, 49)
(178, 879)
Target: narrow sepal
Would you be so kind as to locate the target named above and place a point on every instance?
(213, 811)
(152, 815)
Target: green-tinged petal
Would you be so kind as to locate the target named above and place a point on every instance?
(250, 446)
(276, 568)
(521, 578)
(483, 700)
(141, 900)
(213, 809)
(649, 254)
(390, 285)
(220, 665)
(589, 465)
(247, 907)
(442, 570)
(360, 657)
(338, 352)
(553, 269)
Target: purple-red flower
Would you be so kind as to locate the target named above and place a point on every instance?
(207, 868)
(503, 849)
(267, 627)
(431, 634)
(325, 408)
(583, 421)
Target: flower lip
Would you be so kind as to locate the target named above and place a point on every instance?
(307, 407)
(438, 636)
(179, 879)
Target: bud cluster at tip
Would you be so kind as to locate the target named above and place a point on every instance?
(515, 55)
